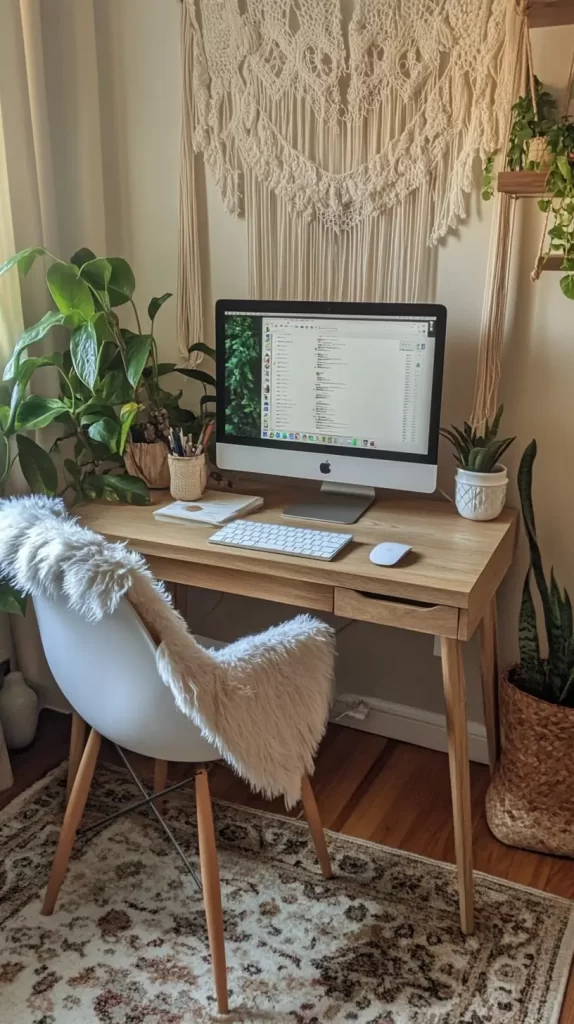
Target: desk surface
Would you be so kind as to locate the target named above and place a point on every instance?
(454, 561)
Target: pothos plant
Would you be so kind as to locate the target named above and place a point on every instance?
(560, 205)
(541, 121)
(108, 386)
(108, 383)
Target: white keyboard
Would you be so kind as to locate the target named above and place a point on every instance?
(288, 540)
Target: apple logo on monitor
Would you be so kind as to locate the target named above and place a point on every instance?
(325, 467)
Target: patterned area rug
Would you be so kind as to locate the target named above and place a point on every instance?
(379, 944)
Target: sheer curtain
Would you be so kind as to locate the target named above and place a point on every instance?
(51, 194)
(11, 322)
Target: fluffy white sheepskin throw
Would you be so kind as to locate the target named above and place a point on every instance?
(262, 701)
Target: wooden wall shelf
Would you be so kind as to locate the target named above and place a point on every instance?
(545, 13)
(530, 184)
(554, 263)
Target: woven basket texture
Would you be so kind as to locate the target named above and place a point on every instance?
(188, 477)
(530, 802)
(539, 152)
(149, 462)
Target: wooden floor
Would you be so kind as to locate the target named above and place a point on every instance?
(368, 787)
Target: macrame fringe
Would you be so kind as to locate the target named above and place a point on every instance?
(189, 285)
(313, 261)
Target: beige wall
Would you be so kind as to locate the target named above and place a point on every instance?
(138, 53)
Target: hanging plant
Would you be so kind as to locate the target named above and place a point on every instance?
(532, 120)
(559, 207)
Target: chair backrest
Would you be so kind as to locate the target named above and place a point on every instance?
(107, 671)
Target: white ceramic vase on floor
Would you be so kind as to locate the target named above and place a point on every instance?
(18, 711)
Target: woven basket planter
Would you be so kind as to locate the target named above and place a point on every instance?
(149, 462)
(188, 477)
(530, 802)
(539, 152)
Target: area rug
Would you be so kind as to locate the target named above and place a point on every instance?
(379, 944)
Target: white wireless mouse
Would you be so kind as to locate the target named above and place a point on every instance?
(388, 553)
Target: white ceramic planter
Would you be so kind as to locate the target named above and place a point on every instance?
(6, 777)
(18, 711)
(480, 495)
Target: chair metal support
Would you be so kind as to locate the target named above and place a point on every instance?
(149, 801)
(132, 807)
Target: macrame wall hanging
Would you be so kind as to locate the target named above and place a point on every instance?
(348, 149)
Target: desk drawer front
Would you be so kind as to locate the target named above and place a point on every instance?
(248, 584)
(436, 619)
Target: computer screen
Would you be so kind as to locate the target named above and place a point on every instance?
(355, 383)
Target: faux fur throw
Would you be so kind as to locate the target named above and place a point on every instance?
(262, 701)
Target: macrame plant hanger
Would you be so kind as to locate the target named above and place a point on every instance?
(498, 267)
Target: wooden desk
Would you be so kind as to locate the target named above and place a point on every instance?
(446, 586)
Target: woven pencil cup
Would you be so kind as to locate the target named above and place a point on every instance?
(530, 801)
(187, 477)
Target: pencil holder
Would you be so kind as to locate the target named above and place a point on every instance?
(187, 476)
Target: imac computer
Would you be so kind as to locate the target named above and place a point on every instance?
(345, 393)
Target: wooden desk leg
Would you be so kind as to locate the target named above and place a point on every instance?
(455, 698)
(489, 676)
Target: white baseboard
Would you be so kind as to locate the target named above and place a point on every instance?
(410, 725)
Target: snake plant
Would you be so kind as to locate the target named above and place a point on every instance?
(479, 453)
(549, 678)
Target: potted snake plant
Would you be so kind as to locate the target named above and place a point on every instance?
(530, 802)
(481, 480)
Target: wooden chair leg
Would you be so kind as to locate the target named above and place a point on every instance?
(457, 731)
(77, 744)
(211, 888)
(72, 818)
(160, 780)
(315, 826)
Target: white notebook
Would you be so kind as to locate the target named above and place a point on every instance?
(213, 507)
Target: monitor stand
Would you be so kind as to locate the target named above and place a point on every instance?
(336, 503)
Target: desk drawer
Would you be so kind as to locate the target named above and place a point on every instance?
(433, 618)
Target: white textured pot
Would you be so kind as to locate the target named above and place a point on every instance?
(481, 495)
(18, 711)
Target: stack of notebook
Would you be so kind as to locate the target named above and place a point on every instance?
(213, 507)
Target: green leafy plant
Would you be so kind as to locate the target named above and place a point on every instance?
(559, 167)
(550, 677)
(528, 124)
(560, 205)
(108, 390)
(479, 453)
(487, 188)
(109, 383)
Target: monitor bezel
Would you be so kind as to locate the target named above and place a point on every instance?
(359, 309)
